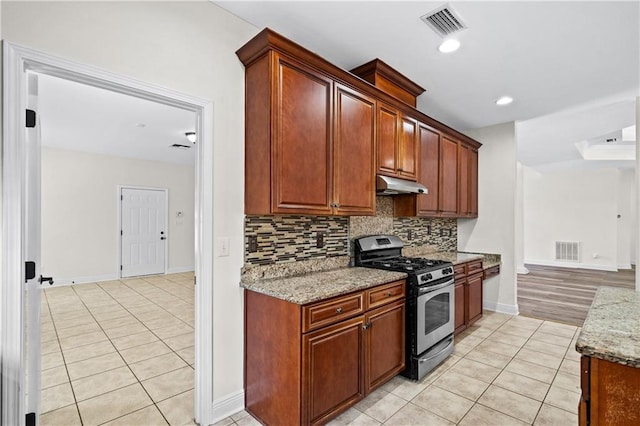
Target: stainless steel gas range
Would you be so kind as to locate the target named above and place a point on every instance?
(430, 300)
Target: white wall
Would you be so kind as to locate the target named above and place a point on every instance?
(494, 230)
(80, 234)
(572, 205)
(626, 221)
(520, 268)
(188, 47)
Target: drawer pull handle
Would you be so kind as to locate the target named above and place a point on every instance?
(389, 294)
(339, 310)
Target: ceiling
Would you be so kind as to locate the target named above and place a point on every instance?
(78, 117)
(572, 67)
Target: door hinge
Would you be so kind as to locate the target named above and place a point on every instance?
(122, 197)
(194, 280)
(30, 419)
(29, 270)
(31, 118)
(121, 267)
(121, 232)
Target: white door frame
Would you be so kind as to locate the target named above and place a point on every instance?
(166, 224)
(16, 61)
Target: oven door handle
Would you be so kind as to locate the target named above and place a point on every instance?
(424, 290)
(447, 346)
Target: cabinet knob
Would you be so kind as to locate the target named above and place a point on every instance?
(389, 294)
(366, 325)
(339, 310)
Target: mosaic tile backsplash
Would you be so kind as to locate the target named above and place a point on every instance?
(289, 238)
(283, 239)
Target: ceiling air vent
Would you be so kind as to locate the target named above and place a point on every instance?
(180, 146)
(444, 21)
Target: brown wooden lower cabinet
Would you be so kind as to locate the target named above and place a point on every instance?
(306, 364)
(610, 393)
(468, 294)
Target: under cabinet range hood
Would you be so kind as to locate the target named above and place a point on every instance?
(386, 185)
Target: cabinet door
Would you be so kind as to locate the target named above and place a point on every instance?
(459, 311)
(408, 149)
(463, 180)
(429, 139)
(301, 153)
(385, 344)
(354, 152)
(473, 183)
(448, 177)
(388, 119)
(474, 296)
(332, 377)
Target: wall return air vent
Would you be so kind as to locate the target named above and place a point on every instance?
(444, 21)
(568, 251)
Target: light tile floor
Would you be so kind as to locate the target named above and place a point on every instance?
(118, 352)
(505, 370)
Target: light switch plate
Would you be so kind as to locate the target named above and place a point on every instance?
(223, 246)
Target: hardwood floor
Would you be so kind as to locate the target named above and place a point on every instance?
(565, 294)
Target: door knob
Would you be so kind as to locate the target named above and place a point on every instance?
(47, 279)
(163, 238)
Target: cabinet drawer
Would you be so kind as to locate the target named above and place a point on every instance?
(330, 311)
(384, 294)
(474, 267)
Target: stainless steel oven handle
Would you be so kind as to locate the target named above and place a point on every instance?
(439, 352)
(438, 287)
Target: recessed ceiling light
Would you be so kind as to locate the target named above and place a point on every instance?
(505, 100)
(141, 125)
(449, 45)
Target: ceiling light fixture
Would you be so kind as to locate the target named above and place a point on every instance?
(505, 100)
(449, 45)
(191, 136)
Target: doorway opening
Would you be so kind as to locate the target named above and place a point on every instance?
(21, 394)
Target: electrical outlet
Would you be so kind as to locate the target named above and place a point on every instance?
(320, 240)
(253, 243)
(409, 235)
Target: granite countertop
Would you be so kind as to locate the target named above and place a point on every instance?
(311, 287)
(488, 259)
(612, 329)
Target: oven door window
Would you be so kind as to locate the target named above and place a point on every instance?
(436, 312)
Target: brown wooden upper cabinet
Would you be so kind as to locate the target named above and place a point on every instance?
(317, 135)
(467, 181)
(300, 157)
(448, 175)
(449, 170)
(397, 145)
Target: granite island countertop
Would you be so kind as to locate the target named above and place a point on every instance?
(315, 286)
(612, 329)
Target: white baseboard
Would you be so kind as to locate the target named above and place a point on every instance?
(224, 407)
(179, 269)
(522, 270)
(501, 308)
(61, 282)
(572, 265)
(625, 266)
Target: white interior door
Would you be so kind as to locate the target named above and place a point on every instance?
(31, 311)
(143, 235)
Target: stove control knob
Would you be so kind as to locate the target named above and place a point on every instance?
(427, 277)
